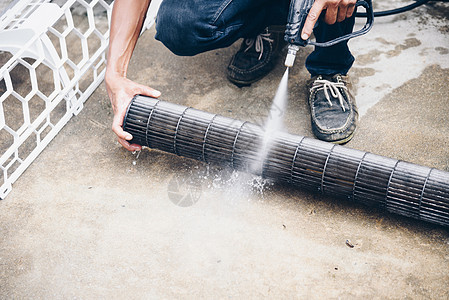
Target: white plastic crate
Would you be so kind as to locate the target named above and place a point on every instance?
(52, 59)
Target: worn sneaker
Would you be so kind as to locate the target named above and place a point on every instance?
(256, 58)
(332, 109)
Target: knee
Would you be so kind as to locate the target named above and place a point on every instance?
(182, 30)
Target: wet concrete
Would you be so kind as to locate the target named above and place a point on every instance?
(91, 220)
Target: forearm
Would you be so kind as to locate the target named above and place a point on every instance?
(127, 20)
(126, 23)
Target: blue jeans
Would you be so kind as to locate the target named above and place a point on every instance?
(189, 27)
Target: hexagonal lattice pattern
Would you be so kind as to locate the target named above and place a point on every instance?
(44, 81)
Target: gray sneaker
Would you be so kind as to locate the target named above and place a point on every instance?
(332, 109)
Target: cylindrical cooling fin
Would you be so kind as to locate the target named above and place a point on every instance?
(397, 186)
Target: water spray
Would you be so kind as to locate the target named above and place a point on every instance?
(396, 186)
(275, 121)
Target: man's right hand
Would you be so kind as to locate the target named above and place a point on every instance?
(121, 90)
(336, 11)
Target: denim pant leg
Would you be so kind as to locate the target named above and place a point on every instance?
(189, 27)
(332, 60)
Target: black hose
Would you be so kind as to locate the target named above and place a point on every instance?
(396, 10)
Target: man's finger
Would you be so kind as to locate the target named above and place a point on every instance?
(128, 146)
(123, 136)
(147, 91)
(117, 123)
(350, 11)
(311, 19)
(342, 12)
(331, 15)
(153, 93)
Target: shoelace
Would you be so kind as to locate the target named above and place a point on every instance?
(257, 42)
(326, 85)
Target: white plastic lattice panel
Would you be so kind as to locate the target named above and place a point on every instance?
(52, 58)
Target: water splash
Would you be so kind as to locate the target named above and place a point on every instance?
(235, 186)
(137, 156)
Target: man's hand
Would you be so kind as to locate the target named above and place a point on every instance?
(336, 11)
(126, 23)
(121, 91)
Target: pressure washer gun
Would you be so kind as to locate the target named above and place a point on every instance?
(299, 9)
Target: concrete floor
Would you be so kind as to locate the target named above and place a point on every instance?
(90, 220)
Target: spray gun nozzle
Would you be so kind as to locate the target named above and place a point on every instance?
(291, 55)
